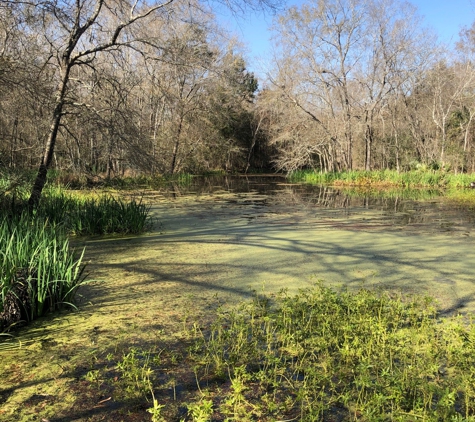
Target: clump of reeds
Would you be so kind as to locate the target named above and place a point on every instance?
(39, 272)
(104, 214)
(384, 178)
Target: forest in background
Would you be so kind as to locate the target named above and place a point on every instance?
(110, 87)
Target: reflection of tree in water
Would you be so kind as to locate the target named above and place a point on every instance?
(230, 183)
(397, 206)
(332, 197)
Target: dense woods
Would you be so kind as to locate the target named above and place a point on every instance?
(108, 87)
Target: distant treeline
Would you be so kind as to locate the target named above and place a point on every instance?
(352, 85)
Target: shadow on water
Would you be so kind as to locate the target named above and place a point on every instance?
(228, 234)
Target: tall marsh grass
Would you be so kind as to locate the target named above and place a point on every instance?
(84, 215)
(39, 272)
(382, 178)
(100, 215)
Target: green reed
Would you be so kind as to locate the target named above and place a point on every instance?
(407, 179)
(106, 215)
(39, 272)
(83, 215)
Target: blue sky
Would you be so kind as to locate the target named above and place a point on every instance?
(445, 17)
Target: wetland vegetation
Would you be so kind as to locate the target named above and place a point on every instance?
(132, 290)
(140, 346)
(39, 271)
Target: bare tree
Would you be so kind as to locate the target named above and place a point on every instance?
(25, 89)
(76, 31)
(74, 34)
(340, 63)
(396, 52)
(325, 40)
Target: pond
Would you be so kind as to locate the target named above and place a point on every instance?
(225, 237)
(215, 242)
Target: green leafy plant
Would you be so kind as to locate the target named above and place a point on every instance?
(315, 356)
(201, 411)
(40, 273)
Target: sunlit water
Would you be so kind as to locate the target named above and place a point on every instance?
(231, 235)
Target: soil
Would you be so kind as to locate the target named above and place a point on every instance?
(208, 251)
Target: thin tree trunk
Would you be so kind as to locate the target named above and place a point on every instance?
(368, 144)
(176, 147)
(40, 180)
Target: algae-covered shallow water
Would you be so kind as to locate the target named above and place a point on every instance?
(215, 242)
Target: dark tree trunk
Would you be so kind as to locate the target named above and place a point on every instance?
(368, 145)
(40, 180)
(175, 147)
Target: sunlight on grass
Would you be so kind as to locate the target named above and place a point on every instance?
(316, 356)
(386, 178)
(39, 272)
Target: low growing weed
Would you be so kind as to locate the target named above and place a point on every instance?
(359, 356)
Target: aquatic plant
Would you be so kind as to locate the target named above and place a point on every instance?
(39, 272)
(316, 356)
(85, 215)
(362, 356)
(383, 178)
(106, 215)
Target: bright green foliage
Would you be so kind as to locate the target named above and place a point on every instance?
(89, 215)
(35, 259)
(316, 356)
(201, 411)
(409, 179)
(359, 356)
(107, 215)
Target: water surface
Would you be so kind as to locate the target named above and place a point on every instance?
(229, 236)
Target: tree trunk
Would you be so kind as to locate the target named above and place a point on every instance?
(175, 147)
(368, 144)
(40, 180)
